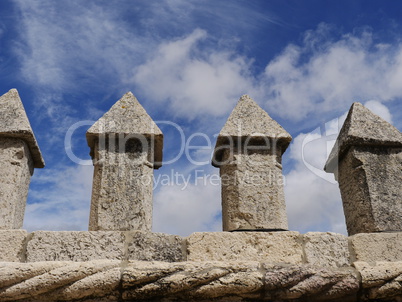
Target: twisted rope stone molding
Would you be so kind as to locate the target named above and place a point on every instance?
(382, 281)
(113, 280)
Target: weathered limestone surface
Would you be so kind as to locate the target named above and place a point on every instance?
(310, 283)
(370, 181)
(377, 247)
(128, 117)
(60, 281)
(382, 281)
(250, 120)
(15, 158)
(224, 266)
(270, 247)
(75, 246)
(126, 145)
(367, 161)
(252, 192)
(192, 281)
(12, 245)
(147, 246)
(121, 192)
(248, 152)
(19, 154)
(94, 245)
(362, 127)
(183, 281)
(14, 123)
(326, 249)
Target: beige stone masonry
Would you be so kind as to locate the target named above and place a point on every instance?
(326, 249)
(128, 117)
(248, 152)
(310, 283)
(94, 245)
(376, 247)
(224, 266)
(15, 158)
(108, 280)
(192, 280)
(14, 123)
(60, 281)
(381, 281)
(75, 246)
(126, 145)
(367, 162)
(12, 245)
(271, 247)
(319, 249)
(148, 246)
(19, 155)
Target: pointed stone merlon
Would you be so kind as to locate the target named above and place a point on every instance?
(367, 162)
(19, 155)
(248, 152)
(126, 146)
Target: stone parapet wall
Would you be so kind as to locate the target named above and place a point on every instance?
(20, 246)
(288, 247)
(210, 266)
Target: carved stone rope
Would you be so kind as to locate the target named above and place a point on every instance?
(51, 281)
(382, 281)
(113, 280)
(109, 280)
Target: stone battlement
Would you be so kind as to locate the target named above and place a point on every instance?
(255, 258)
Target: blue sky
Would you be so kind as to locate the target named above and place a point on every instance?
(188, 62)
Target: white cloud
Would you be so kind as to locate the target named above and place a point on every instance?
(324, 76)
(71, 44)
(312, 196)
(319, 78)
(379, 109)
(63, 41)
(59, 199)
(66, 46)
(195, 81)
(196, 208)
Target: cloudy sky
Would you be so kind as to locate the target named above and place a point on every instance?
(188, 62)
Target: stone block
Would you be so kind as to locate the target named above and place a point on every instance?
(375, 247)
(149, 246)
(192, 281)
(252, 192)
(75, 246)
(270, 247)
(12, 245)
(326, 249)
(370, 181)
(60, 281)
(121, 192)
(382, 281)
(310, 283)
(15, 158)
